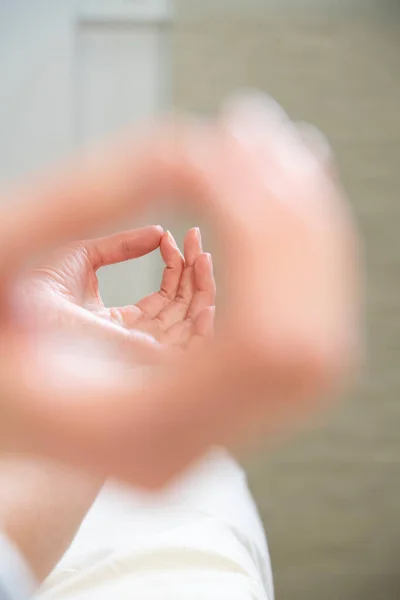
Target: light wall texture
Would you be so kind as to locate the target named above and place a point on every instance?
(330, 499)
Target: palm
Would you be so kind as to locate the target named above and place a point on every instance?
(179, 315)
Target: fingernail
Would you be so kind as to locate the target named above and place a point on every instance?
(209, 258)
(198, 234)
(171, 239)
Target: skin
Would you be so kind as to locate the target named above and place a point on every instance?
(43, 503)
(288, 334)
(63, 295)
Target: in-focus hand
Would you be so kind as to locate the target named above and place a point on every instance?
(62, 296)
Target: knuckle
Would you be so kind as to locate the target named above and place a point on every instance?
(165, 295)
(124, 247)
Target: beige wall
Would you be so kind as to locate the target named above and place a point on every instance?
(330, 500)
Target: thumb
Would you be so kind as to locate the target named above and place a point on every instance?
(123, 246)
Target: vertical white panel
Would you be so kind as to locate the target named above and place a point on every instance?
(121, 72)
(36, 121)
(119, 76)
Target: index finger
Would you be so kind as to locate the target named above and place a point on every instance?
(123, 246)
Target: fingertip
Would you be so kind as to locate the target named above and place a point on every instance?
(164, 238)
(169, 249)
(317, 144)
(198, 236)
(191, 235)
(173, 242)
(203, 266)
(192, 246)
(168, 238)
(155, 231)
(252, 116)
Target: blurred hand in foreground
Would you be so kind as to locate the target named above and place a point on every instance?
(288, 332)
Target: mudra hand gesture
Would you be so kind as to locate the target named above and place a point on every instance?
(287, 333)
(62, 296)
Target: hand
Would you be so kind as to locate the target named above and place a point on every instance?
(289, 330)
(181, 314)
(63, 295)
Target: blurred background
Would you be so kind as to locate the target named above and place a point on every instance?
(73, 70)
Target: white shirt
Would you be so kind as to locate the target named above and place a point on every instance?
(16, 579)
(200, 539)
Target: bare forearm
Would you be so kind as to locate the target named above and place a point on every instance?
(42, 505)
